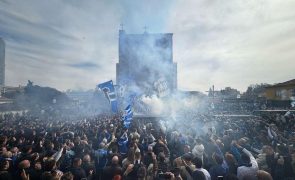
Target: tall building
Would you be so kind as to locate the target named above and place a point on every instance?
(2, 62)
(146, 62)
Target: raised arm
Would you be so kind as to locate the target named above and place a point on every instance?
(252, 159)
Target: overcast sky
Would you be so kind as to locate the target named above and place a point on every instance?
(73, 44)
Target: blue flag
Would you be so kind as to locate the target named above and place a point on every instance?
(109, 91)
(127, 117)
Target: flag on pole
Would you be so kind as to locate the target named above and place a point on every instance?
(109, 91)
(127, 116)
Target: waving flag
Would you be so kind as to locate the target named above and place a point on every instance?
(109, 91)
(127, 117)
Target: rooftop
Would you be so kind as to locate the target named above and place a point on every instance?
(287, 83)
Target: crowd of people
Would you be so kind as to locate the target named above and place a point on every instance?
(194, 147)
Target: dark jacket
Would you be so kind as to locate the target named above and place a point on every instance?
(110, 171)
(78, 173)
(217, 170)
(5, 175)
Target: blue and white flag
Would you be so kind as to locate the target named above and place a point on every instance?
(109, 91)
(127, 116)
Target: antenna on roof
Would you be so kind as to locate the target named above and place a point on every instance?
(145, 29)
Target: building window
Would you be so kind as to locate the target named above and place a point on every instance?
(278, 93)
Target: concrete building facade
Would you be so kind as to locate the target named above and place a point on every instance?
(146, 62)
(2, 62)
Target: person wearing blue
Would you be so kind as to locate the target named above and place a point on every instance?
(221, 167)
(101, 156)
(123, 144)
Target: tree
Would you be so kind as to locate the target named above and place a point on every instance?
(256, 90)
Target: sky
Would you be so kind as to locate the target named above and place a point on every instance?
(73, 44)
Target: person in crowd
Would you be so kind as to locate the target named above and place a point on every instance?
(129, 159)
(188, 167)
(88, 166)
(67, 176)
(232, 163)
(101, 156)
(4, 167)
(217, 170)
(199, 167)
(77, 171)
(198, 175)
(123, 143)
(163, 164)
(37, 146)
(249, 167)
(109, 172)
(263, 175)
(198, 150)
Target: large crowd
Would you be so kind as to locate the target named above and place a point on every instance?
(193, 147)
